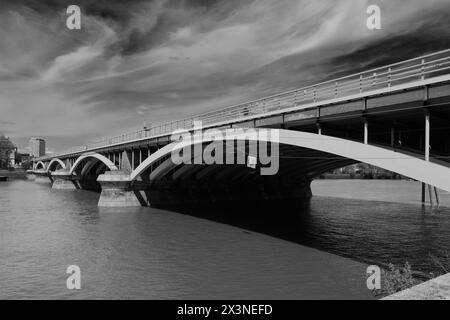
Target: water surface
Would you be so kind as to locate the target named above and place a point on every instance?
(312, 251)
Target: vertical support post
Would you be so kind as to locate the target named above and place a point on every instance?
(427, 153)
(392, 137)
(423, 193)
(319, 129)
(437, 196)
(430, 194)
(366, 131)
(427, 136)
(132, 159)
(140, 155)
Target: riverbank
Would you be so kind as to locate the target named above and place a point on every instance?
(17, 174)
(435, 289)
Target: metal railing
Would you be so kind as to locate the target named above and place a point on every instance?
(409, 71)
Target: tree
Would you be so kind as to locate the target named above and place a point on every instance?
(6, 147)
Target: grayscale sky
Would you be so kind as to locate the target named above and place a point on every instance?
(142, 61)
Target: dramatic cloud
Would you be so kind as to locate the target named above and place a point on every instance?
(147, 61)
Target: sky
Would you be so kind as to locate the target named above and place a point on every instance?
(144, 61)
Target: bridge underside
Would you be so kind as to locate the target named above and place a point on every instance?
(393, 125)
(194, 184)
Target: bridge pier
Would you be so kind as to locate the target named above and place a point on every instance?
(116, 190)
(63, 180)
(41, 177)
(31, 175)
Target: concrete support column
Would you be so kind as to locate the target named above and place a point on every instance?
(127, 159)
(427, 137)
(319, 129)
(67, 163)
(132, 159)
(116, 191)
(366, 131)
(62, 180)
(427, 153)
(427, 158)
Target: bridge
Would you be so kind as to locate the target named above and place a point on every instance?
(395, 117)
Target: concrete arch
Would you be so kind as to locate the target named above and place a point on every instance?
(40, 165)
(95, 157)
(405, 164)
(53, 165)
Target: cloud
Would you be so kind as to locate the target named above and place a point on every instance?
(77, 63)
(6, 123)
(147, 61)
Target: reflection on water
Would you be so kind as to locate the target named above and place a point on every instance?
(151, 253)
(366, 231)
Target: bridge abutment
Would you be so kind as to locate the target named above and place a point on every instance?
(116, 191)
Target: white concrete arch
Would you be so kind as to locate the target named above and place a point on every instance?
(40, 165)
(95, 156)
(57, 161)
(407, 165)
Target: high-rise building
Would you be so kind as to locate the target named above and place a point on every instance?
(37, 147)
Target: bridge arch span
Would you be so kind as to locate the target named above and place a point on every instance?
(55, 164)
(327, 152)
(88, 167)
(40, 165)
(92, 159)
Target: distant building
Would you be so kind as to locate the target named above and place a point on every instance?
(37, 147)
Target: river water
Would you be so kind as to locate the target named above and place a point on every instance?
(316, 250)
